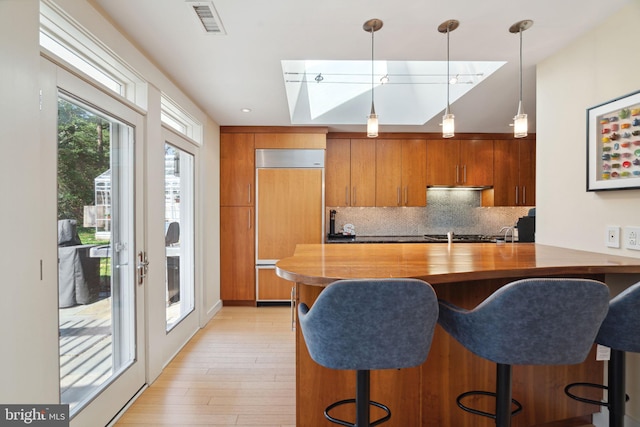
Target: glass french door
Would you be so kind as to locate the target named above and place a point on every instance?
(100, 251)
(179, 233)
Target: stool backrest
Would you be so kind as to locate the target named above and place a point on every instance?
(537, 322)
(370, 324)
(621, 328)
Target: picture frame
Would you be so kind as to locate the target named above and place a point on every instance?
(613, 144)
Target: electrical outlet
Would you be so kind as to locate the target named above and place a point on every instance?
(632, 238)
(612, 239)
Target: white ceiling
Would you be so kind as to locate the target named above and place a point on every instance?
(243, 69)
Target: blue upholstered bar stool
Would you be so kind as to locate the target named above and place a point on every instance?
(621, 332)
(528, 322)
(364, 325)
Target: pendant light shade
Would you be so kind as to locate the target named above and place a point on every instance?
(372, 125)
(371, 26)
(520, 123)
(448, 120)
(448, 126)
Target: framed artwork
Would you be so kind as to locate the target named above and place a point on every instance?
(613, 144)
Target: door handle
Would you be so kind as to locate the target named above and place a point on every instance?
(143, 267)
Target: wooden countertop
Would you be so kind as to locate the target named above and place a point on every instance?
(321, 264)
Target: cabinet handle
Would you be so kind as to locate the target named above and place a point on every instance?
(406, 195)
(399, 198)
(249, 216)
(249, 193)
(354, 197)
(464, 169)
(346, 195)
(457, 175)
(524, 195)
(516, 194)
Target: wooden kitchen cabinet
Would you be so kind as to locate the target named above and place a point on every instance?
(401, 172)
(452, 162)
(237, 255)
(350, 174)
(515, 173)
(237, 169)
(237, 236)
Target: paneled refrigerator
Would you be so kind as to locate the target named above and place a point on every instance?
(289, 211)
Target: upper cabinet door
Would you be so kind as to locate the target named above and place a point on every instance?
(388, 172)
(363, 172)
(338, 173)
(476, 163)
(414, 172)
(506, 181)
(527, 173)
(237, 169)
(442, 162)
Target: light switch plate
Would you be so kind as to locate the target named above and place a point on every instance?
(612, 238)
(632, 238)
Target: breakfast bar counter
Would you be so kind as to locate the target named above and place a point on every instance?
(464, 274)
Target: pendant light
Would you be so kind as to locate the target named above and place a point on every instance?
(448, 124)
(520, 125)
(371, 26)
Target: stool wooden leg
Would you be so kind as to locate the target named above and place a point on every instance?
(617, 396)
(362, 398)
(503, 395)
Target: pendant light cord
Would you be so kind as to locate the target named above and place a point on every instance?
(520, 66)
(373, 111)
(448, 82)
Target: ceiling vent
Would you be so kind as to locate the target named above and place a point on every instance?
(207, 16)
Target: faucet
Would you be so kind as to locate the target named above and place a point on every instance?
(506, 233)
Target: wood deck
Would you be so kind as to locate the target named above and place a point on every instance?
(85, 350)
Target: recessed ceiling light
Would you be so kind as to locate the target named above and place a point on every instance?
(245, 110)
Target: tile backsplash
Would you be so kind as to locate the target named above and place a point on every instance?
(447, 210)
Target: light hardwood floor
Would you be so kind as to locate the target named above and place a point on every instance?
(237, 371)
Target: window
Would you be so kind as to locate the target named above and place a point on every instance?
(178, 119)
(68, 43)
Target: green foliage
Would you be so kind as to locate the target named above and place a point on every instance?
(83, 154)
(88, 237)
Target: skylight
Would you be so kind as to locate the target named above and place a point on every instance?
(339, 92)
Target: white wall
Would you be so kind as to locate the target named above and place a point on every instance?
(28, 303)
(597, 67)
